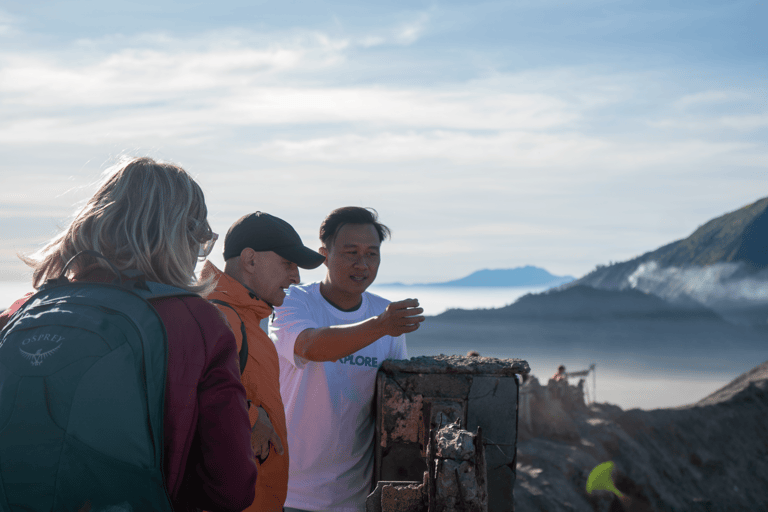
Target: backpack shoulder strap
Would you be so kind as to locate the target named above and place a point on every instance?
(244, 344)
(6, 315)
(159, 290)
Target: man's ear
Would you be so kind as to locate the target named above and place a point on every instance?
(322, 250)
(247, 257)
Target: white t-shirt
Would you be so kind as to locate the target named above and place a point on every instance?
(328, 405)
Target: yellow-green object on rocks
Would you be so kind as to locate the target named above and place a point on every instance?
(599, 479)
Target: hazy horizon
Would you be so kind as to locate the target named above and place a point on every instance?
(651, 377)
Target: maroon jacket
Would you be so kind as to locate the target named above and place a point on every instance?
(207, 431)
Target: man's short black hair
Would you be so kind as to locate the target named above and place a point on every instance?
(351, 215)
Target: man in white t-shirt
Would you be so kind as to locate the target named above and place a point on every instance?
(331, 337)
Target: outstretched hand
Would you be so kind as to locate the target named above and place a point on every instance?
(401, 317)
(262, 435)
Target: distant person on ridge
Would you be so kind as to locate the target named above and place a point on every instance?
(332, 336)
(560, 374)
(262, 257)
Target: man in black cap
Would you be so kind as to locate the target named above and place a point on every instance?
(262, 258)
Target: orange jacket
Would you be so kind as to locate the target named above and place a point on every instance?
(261, 379)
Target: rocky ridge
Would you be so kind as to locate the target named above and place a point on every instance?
(711, 455)
(736, 237)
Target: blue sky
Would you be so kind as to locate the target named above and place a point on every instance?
(487, 134)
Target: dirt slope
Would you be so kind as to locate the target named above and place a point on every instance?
(712, 455)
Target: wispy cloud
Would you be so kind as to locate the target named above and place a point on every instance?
(404, 33)
(565, 157)
(745, 123)
(489, 164)
(512, 148)
(708, 98)
(133, 76)
(7, 24)
(164, 87)
(409, 32)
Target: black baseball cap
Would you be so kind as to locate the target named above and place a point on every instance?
(264, 232)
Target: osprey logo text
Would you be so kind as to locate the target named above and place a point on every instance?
(36, 358)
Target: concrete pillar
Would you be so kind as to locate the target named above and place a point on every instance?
(460, 473)
(424, 392)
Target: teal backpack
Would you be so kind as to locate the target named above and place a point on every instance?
(82, 388)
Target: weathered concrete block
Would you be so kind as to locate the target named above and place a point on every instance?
(397, 497)
(405, 498)
(443, 364)
(400, 432)
(436, 385)
(501, 482)
(414, 395)
(445, 411)
(493, 406)
(402, 419)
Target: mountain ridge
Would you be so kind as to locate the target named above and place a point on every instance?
(525, 276)
(583, 302)
(720, 269)
(739, 236)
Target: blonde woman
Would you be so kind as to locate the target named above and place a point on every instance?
(148, 221)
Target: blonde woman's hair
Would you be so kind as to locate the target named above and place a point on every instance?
(146, 216)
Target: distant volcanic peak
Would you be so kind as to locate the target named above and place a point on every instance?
(738, 236)
(753, 249)
(735, 236)
(527, 276)
(519, 276)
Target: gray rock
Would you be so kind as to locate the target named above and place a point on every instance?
(455, 443)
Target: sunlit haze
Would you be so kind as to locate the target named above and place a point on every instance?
(486, 134)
